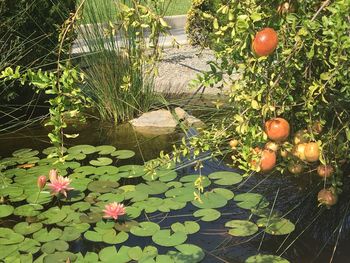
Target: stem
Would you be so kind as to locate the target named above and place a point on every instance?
(37, 197)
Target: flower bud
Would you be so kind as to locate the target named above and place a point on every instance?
(41, 182)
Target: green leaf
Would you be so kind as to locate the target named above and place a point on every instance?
(276, 226)
(85, 149)
(241, 228)
(123, 154)
(265, 259)
(166, 239)
(70, 234)
(105, 149)
(145, 229)
(251, 201)
(102, 186)
(210, 200)
(25, 228)
(28, 210)
(207, 214)
(188, 227)
(9, 237)
(101, 161)
(225, 178)
(44, 235)
(189, 253)
(55, 245)
(6, 210)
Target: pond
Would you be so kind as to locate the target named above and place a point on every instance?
(163, 222)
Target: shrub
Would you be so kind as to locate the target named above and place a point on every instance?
(199, 27)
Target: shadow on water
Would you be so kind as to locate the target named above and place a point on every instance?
(316, 229)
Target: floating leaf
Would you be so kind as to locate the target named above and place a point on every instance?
(43, 235)
(181, 194)
(276, 226)
(90, 218)
(123, 154)
(188, 227)
(227, 194)
(152, 188)
(132, 170)
(166, 239)
(59, 257)
(145, 229)
(109, 169)
(189, 253)
(90, 257)
(189, 180)
(241, 228)
(135, 253)
(102, 161)
(210, 200)
(110, 254)
(93, 236)
(80, 206)
(7, 250)
(70, 233)
(171, 204)
(55, 245)
(6, 210)
(29, 246)
(105, 149)
(25, 228)
(265, 259)
(44, 197)
(28, 210)
(133, 212)
(102, 186)
(9, 237)
(86, 149)
(53, 215)
(225, 178)
(125, 226)
(148, 253)
(111, 237)
(207, 214)
(251, 201)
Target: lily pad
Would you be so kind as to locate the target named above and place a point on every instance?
(189, 180)
(188, 254)
(29, 246)
(152, 188)
(207, 214)
(102, 161)
(110, 254)
(109, 169)
(6, 210)
(102, 186)
(111, 237)
(28, 210)
(166, 239)
(135, 253)
(90, 218)
(181, 194)
(276, 226)
(90, 257)
(188, 227)
(105, 149)
(226, 193)
(9, 237)
(226, 178)
(251, 201)
(132, 212)
(25, 228)
(53, 215)
(145, 229)
(55, 245)
(241, 228)
(265, 259)
(171, 204)
(70, 233)
(123, 154)
(85, 149)
(210, 200)
(59, 257)
(44, 235)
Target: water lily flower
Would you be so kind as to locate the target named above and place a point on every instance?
(41, 182)
(59, 184)
(114, 210)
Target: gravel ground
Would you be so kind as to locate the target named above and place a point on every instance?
(179, 67)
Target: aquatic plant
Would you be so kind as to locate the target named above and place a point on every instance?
(49, 230)
(59, 184)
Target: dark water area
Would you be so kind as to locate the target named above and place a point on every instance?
(318, 230)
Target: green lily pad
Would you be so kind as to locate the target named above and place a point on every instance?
(43, 235)
(210, 200)
(111, 197)
(166, 239)
(109, 169)
(86, 149)
(171, 204)
(9, 237)
(148, 253)
(226, 178)
(227, 194)
(59, 257)
(189, 180)
(25, 228)
(28, 210)
(70, 233)
(110, 254)
(93, 236)
(80, 206)
(11, 191)
(265, 259)
(135, 253)
(29, 246)
(125, 226)
(123, 154)
(188, 227)
(44, 197)
(90, 257)
(251, 201)
(55, 245)
(90, 218)
(86, 170)
(181, 194)
(24, 153)
(105, 149)
(276, 226)
(53, 215)
(132, 170)
(132, 212)
(145, 229)
(152, 188)
(207, 214)
(101, 161)
(6, 210)
(8, 250)
(102, 186)
(135, 196)
(241, 228)
(75, 156)
(111, 237)
(188, 254)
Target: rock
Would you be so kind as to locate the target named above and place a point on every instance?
(181, 114)
(155, 122)
(192, 121)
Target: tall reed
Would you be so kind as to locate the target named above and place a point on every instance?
(119, 61)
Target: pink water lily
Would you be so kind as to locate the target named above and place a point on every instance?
(114, 210)
(59, 184)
